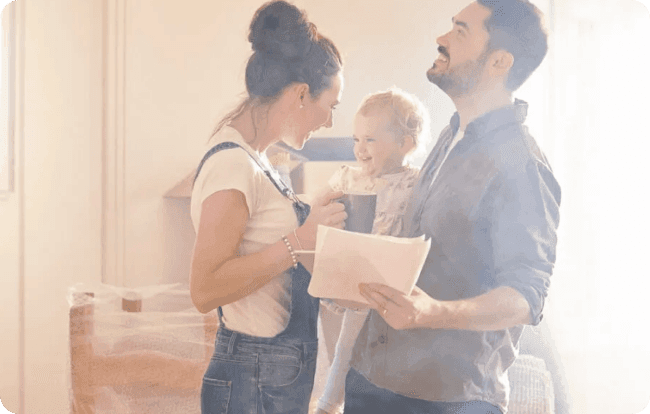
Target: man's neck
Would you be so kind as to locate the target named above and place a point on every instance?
(478, 103)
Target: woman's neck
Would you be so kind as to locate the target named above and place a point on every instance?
(257, 137)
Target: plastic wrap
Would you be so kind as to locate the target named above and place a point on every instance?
(140, 350)
(531, 387)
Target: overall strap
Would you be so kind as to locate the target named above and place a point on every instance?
(283, 188)
(211, 152)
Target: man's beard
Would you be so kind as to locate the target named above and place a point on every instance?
(461, 80)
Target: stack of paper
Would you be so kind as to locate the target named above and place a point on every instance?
(344, 259)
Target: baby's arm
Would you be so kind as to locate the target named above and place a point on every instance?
(333, 396)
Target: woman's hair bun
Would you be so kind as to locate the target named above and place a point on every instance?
(287, 49)
(281, 31)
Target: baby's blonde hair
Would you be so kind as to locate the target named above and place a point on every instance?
(408, 115)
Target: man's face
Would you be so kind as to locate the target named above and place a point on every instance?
(463, 54)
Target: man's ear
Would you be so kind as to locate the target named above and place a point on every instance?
(501, 61)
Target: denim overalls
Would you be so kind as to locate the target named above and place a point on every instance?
(255, 375)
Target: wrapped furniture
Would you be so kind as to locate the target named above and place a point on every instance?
(137, 350)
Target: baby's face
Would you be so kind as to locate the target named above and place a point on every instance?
(376, 148)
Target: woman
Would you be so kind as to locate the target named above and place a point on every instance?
(249, 224)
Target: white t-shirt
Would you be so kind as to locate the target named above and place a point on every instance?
(264, 312)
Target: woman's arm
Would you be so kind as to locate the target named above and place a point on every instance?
(218, 275)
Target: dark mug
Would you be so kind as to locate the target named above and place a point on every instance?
(360, 208)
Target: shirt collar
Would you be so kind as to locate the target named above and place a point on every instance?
(515, 113)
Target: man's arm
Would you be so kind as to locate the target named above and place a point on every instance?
(497, 309)
(524, 217)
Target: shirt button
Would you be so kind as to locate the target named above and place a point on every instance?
(382, 339)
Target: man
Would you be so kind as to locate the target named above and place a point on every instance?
(489, 202)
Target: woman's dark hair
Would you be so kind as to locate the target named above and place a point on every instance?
(516, 27)
(287, 48)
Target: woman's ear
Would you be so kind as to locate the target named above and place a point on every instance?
(293, 97)
(301, 91)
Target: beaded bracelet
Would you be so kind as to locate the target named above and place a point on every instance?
(291, 252)
(297, 240)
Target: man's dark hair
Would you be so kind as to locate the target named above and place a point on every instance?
(516, 27)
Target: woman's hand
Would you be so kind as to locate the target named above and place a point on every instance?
(324, 211)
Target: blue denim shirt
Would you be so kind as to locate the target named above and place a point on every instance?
(492, 214)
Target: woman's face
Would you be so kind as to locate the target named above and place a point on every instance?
(316, 113)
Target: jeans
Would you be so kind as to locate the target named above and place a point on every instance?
(363, 397)
(246, 375)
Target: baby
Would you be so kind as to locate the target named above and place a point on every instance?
(388, 128)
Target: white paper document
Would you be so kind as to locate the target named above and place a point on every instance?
(344, 259)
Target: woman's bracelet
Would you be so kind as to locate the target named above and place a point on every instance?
(297, 239)
(291, 252)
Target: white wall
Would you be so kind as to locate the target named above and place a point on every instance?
(10, 254)
(53, 219)
(9, 297)
(63, 182)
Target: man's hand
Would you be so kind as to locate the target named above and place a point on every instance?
(400, 311)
